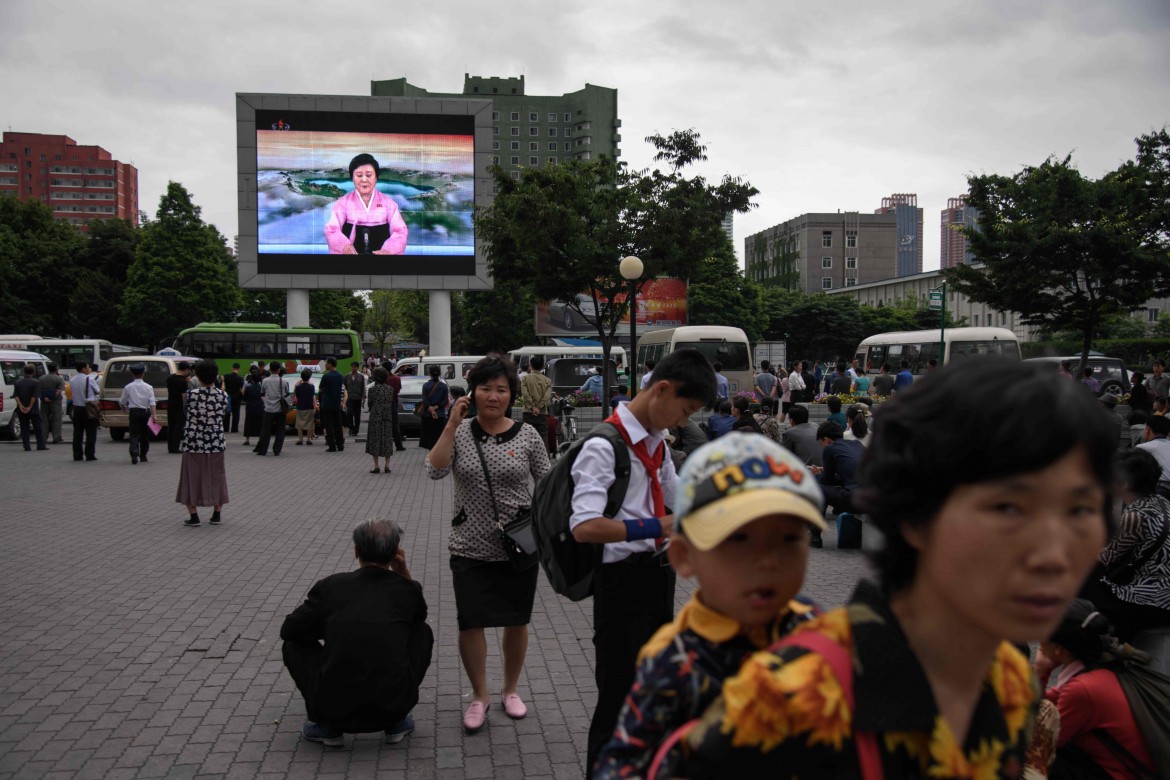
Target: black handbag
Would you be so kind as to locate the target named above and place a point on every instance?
(1122, 571)
(515, 535)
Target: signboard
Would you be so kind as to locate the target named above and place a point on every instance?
(775, 352)
(936, 300)
(662, 303)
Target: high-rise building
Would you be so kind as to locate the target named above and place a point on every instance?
(957, 214)
(819, 252)
(728, 225)
(905, 207)
(533, 130)
(79, 183)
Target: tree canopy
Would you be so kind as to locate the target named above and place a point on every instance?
(1066, 251)
(38, 263)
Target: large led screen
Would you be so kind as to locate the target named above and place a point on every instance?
(354, 193)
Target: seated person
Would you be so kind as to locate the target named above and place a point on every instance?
(1137, 427)
(767, 421)
(835, 413)
(744, 422)
(720, 423)
(377, 644)
(1097, 726)
(842, 460)
(688, 438)
(858, 427)
(745, 542)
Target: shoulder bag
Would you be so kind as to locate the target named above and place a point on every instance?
(284, 404)
(1122, 571)
(516, 535)
(93, 407)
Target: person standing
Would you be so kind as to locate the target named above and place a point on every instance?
(138, 402)
(273, 389)
(306, 407)
(722, 386)
(83, 389)
(203, 474)
(178, 384)
(1159, 382)
(633, 593)
(253, 405)
(491, 458)
(332, 399)
(536, 388)
(52, 393)
(355, 393)
(233, 384)
(765, 381)
(435, 397)
(904, 378)
(883, 383)
(380, 427)
(395, 384)
(26, 391)
(796, 383)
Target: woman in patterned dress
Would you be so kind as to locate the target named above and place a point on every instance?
(488, 591)
(202, 475)
(380, 426)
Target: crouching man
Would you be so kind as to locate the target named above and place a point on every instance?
(359, 646)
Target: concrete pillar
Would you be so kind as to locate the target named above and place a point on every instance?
(297, 308)
(440, 340)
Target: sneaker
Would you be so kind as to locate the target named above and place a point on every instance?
(401, 731)
(327, 737)
(191, 522)
(215, 520)
(816, 542)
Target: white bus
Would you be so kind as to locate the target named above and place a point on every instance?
(67, 352)
(524, 354)
(921, 346)
(721, 344)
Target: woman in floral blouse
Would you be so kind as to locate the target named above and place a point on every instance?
(203, 476)
(992, 519)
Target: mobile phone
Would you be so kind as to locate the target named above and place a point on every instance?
(470, 409)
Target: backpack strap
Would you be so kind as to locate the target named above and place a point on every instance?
(841, 663)
(621, 455)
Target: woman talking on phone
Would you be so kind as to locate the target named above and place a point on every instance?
(492, 458)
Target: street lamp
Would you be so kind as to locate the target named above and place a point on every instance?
(631, 270)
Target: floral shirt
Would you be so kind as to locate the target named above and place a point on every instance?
(203, 429)
(784, 713)
(680, 672)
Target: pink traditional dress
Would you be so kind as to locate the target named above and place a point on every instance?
(377, 227)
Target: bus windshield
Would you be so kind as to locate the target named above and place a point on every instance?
(732, 355)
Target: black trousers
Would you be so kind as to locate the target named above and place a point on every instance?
(139, 433)
(83, 427)
(540, 423)
(272, 426)
(353, 416)
(176, 418)
(303, 661)
(631, 600)
(331, 422)
(231, 418)
(397, 429)
(31, 423)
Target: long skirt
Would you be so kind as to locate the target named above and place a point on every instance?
(492, 593)
(202, 480)
(253, 421)
(431, 430)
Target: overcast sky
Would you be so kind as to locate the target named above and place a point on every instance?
(822, 106)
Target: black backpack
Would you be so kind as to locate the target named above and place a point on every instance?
(568, 563)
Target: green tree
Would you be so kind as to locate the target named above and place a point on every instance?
(334, 308)
(379, 318)
(564, 228)
(38, 264)
(1066, 251)
(486, 326)
(718, 294)
(263, 306)
(814, 326)
(182, 273)
(104, 260)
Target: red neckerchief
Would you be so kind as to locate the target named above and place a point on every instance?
(651, 464)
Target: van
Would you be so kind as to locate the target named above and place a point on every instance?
(12, 363)
(116, 375)
(720, 344)
(919, 347)
(452, 367)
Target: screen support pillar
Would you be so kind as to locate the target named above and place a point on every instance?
(440, 335)
(297, 308)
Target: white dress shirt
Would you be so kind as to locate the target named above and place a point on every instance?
(82, 388)
(137, 395)
(593, 473)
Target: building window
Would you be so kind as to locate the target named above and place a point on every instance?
(552, 161)
(495, 131)
(496, 160)
(515, 131)
(515, 160)
(515, 116)
(515, 146)
(533, 117)
(533, 146)
(533, 161)
(516, 175)
(552, 146)
(851, 262)
(552, 132)
(1152, 315)
(826, 283)
(567, 145)
(552, 116)
(495, 146)
(495, 116)
(827, 239)
(568, 117)
(568, 132)
(975, 320)
(1003, 318)
(826, 262)
(850, 239)
(534, 131)
(851, 282)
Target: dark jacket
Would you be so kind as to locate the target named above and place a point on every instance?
(802, 440)
(177, 386)
(368, 619)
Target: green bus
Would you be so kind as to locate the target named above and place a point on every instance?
(260, 342)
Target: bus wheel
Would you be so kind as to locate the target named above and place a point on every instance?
(117, 434)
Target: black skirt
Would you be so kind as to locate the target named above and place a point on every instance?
(489, 594)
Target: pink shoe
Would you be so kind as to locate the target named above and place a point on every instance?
(474, 717)
(514, 707)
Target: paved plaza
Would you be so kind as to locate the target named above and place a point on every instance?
(133, 646)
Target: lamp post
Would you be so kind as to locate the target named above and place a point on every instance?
(631, 270)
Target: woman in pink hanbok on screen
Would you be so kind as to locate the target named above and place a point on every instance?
(365, 221)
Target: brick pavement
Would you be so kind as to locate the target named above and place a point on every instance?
(136, 647)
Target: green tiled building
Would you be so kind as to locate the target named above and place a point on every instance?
(533, 130)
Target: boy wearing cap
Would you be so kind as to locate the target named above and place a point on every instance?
(741, 512)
